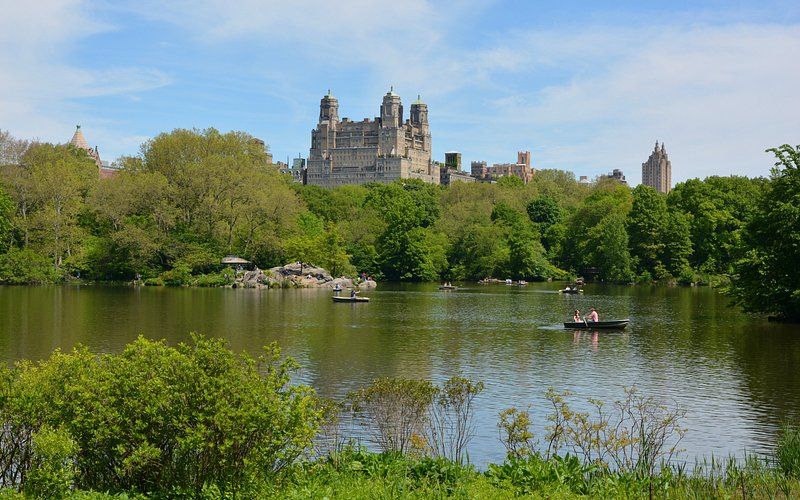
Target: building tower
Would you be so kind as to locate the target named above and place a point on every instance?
(524, 158)
(657, 170)
(329, 109)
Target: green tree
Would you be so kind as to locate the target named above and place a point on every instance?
(544, 211)
(766, 278)
(609, 249)
(6, 215)
(646, 222)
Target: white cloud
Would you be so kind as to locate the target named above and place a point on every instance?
(717, 95)
(38, 84)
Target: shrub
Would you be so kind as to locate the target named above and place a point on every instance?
(154, 281)
(167, 421)
(788, 451)
(450, 426)
(177, 276)
(395, 411)
(19, 267)
(53, 466)
(212, 280)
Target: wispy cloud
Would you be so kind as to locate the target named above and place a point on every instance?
(40, 82)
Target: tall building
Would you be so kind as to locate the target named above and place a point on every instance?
(657, 170)
(80, 142)
(380, 150)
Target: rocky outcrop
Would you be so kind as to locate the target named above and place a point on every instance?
(295, 275)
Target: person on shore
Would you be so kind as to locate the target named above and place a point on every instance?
(577, 316)
(592, 316)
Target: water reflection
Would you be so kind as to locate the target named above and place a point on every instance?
(738, 377)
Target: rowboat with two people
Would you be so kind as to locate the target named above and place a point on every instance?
(592, 321)
(448, 286)
(571, 290)
(353, 297)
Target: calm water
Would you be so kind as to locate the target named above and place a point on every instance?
(738, 377)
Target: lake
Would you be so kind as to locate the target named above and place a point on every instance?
(737, 376)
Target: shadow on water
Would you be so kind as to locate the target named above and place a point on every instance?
(738, 377)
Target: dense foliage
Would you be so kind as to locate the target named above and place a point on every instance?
(192, 196)
(767, 275)
(199, 421)
(153, 419)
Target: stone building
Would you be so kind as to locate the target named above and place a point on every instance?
(521, 169)
(657, 170)
(380, 150)
(79, 141)
(452, 159)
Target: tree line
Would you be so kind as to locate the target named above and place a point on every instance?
(190, 197)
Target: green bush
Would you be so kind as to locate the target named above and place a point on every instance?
(159, 420)
(53, 468)
(179, 275)
(212, 280)
(154, 281)
(788, 452)
(19, 267)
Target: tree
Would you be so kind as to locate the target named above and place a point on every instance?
(544, 211)
(609, 249)
(766, 278)
(6, 214)
(646, 222)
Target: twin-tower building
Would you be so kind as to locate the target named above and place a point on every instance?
(385, 149)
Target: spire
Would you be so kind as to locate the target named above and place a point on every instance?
(656, 148)
(662, 147)
(78, 140)
(329, 93)
(419, 100)
(391, 92)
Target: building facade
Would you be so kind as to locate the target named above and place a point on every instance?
(657, 170)
(380, 150)
(521, 169)
(79, 141)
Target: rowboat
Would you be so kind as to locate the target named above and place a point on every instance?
(618, 324)
(350, 299)
(571, 290)
(448, 287)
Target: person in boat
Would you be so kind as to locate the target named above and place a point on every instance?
(353, 293)
(576, 318)
(592, 316)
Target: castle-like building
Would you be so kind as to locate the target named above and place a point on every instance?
(380, 150)
(80, 142)
(521, 169)
(657, 170)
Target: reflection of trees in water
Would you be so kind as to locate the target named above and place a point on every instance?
(769, 358)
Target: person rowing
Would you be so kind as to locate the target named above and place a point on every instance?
(592, 316)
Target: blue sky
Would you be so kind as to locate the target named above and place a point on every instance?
(586, 86)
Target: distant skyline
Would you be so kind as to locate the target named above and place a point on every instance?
(586, 87)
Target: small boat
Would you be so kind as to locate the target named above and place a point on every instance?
(571, 290)
(618, 324)
(448, 287)
(337, 298)
(509, 282)
(522, 283)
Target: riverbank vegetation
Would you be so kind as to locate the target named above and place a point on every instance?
(199, 421)
(192, 196)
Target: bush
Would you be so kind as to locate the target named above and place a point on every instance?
(166, 421)
(179, 275)
(53, 466)
(154, 282)
(212, 280)
(788, 452)
(20, 267)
